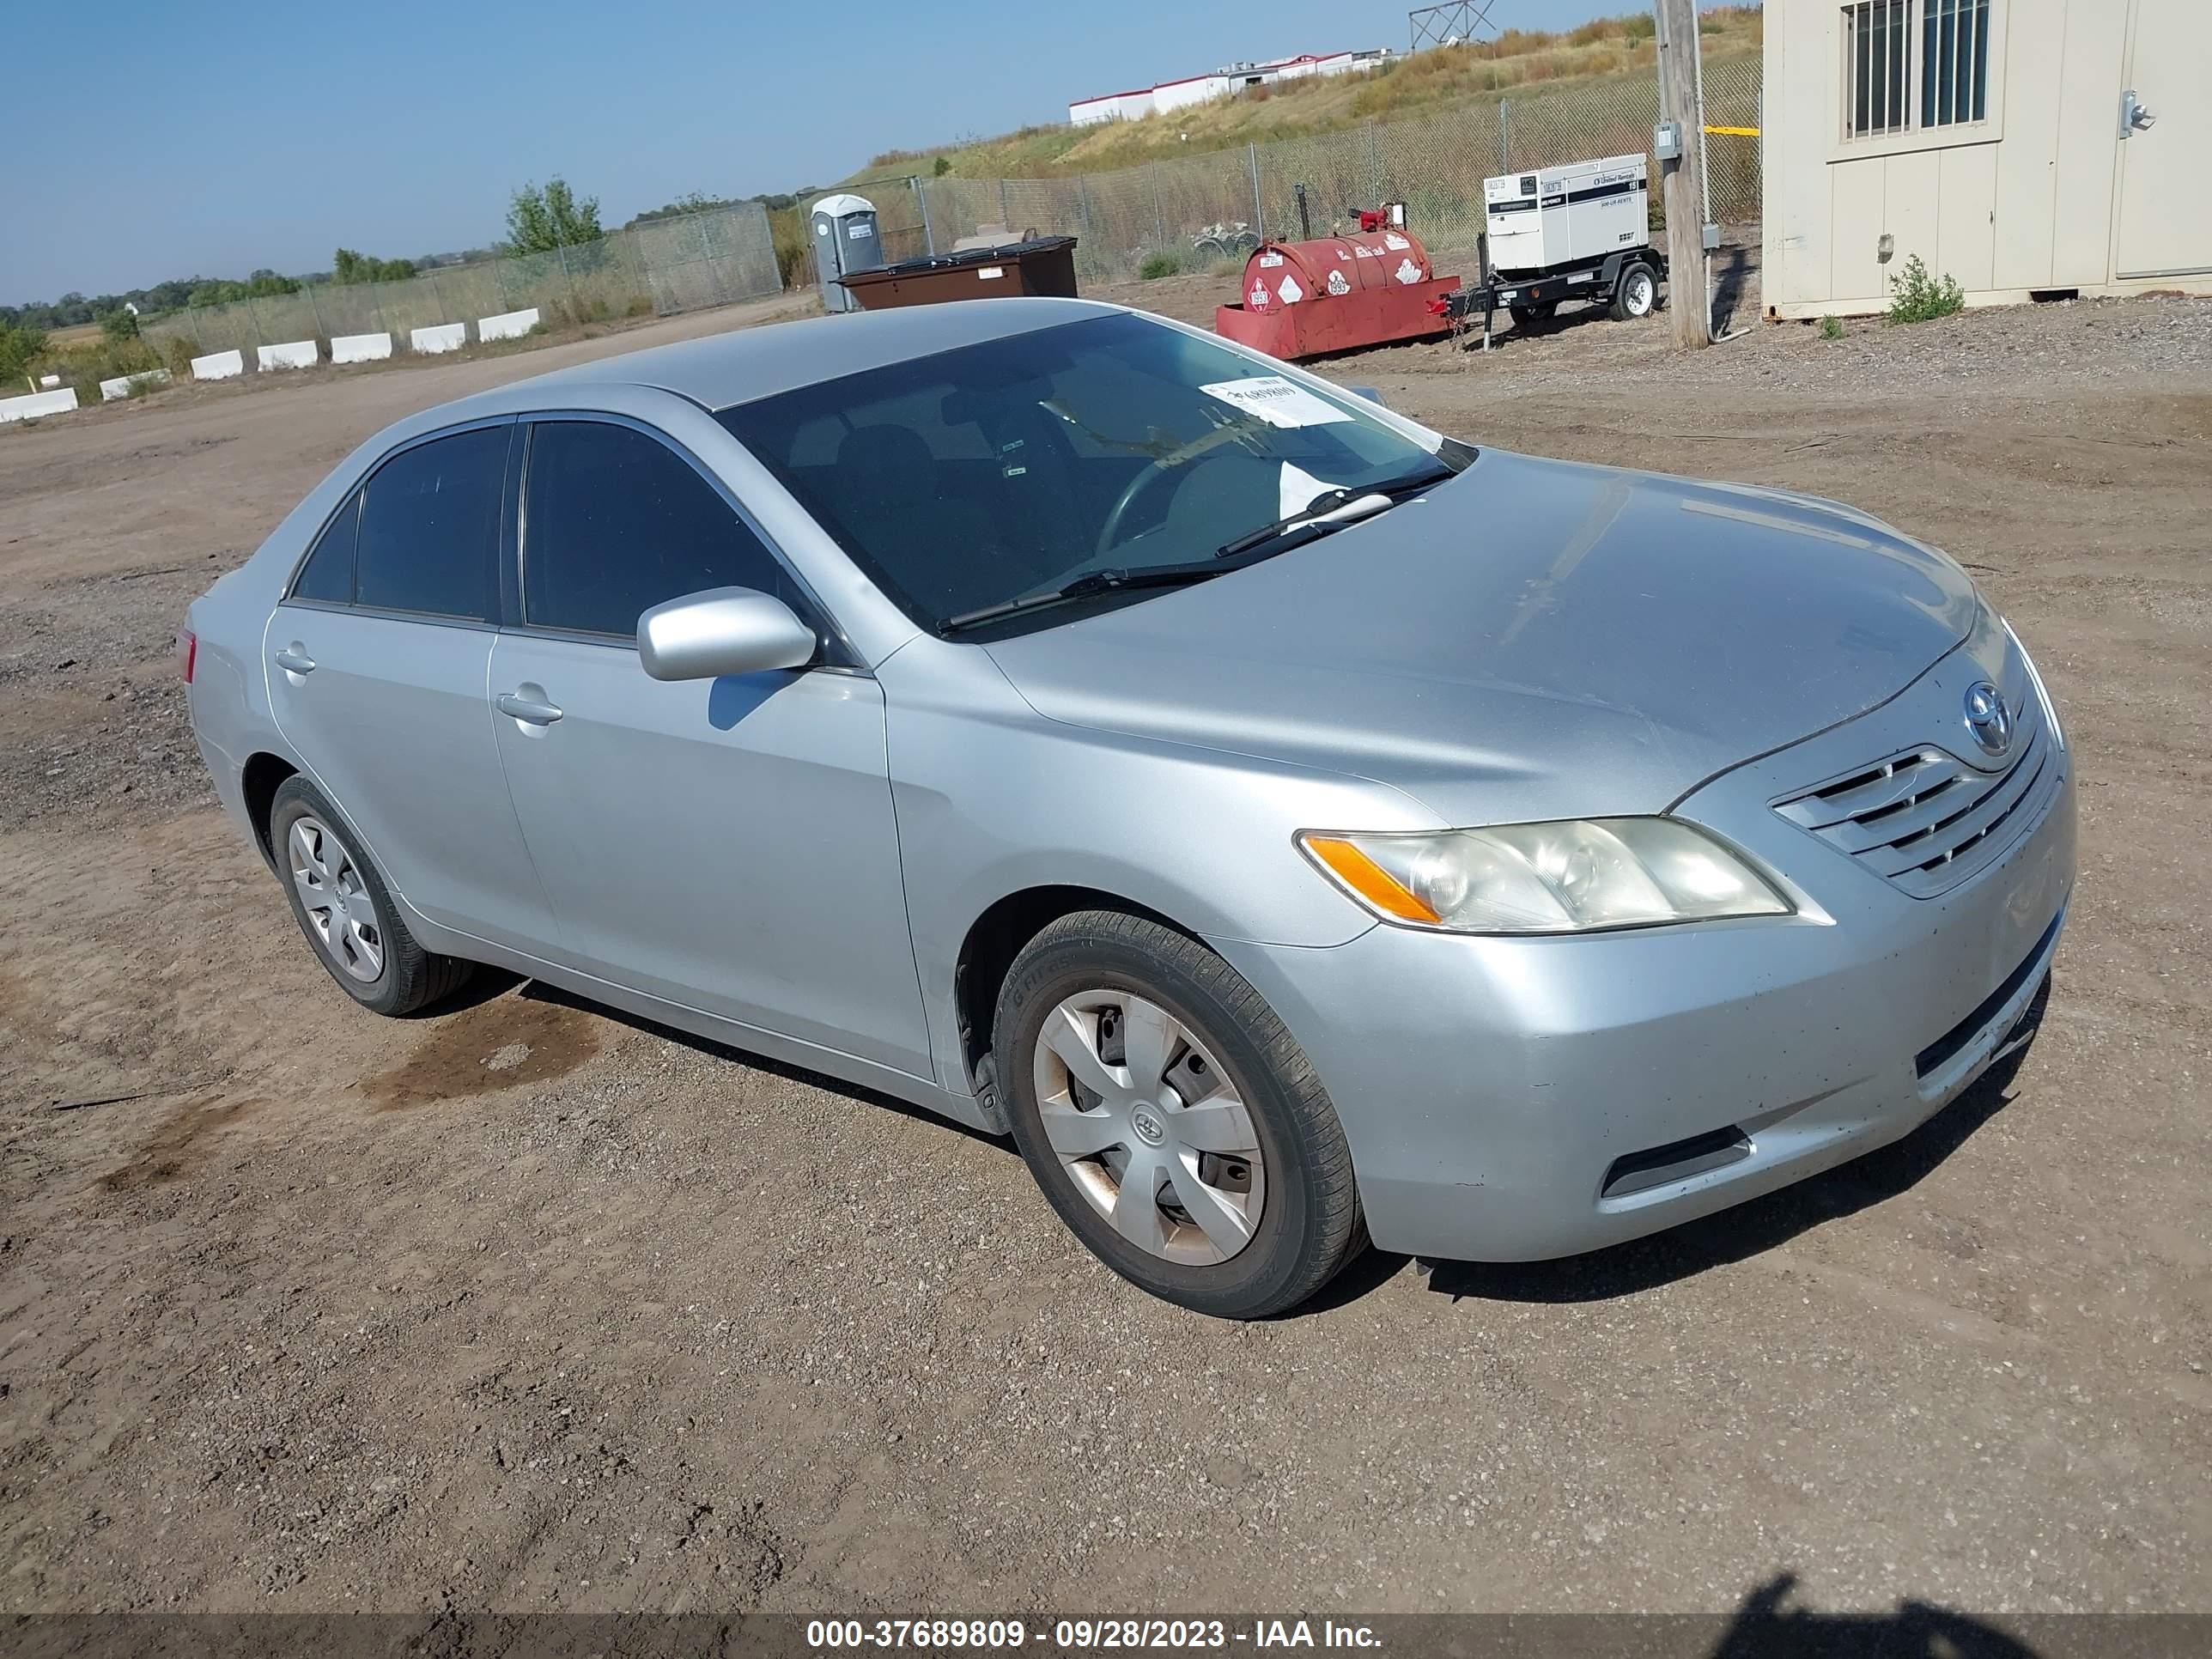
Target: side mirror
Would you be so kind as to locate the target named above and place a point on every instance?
(1373, 394)
(724, 630)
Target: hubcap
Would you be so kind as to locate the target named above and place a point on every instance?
(341, 915)
(1150, 1127)
(1639, 293)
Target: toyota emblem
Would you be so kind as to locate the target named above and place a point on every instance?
(1988, 718)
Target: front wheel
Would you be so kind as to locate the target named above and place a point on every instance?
(1172, 1121)
(1637, 294)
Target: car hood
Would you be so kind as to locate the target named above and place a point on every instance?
(1533, 639)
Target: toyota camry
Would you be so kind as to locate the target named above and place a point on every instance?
(1291, 826)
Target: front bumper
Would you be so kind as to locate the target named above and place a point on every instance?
(1516, 1099)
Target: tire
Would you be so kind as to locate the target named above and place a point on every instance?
(1527, 316)
(1239, 1083)
(1636, 294)
(359, 939)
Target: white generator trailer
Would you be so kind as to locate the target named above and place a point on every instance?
(1581, 231)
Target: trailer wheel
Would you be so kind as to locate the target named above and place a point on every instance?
(1636, 293)
(1523, 316)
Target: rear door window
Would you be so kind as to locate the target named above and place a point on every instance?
(616, 522)
(428, 540)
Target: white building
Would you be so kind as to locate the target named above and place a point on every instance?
(1219, 83)
(2023, 147)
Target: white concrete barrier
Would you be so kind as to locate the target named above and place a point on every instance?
(508, 326)
(48, 382)
(218, 366)
(445, 337)
(360, 348)
(292, 354)
(121, 386)
(33, 404)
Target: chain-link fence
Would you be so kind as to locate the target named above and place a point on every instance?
(1198, 208)
(1211, 205)
(662, 266)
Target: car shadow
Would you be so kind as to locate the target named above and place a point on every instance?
(1747, 1230)
(538, 991)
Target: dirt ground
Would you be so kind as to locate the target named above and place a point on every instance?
(526, 1306)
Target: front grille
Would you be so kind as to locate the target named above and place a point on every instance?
(1925, 819)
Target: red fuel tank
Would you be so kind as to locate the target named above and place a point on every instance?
(1337, 293)
(1289, 273)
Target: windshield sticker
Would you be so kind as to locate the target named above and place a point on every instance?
(1276, 401)
(1300, 489)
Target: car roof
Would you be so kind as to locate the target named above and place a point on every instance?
(747, 363)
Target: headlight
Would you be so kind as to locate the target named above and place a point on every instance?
(1563, 877)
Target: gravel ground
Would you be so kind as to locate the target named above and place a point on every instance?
(529, 1306)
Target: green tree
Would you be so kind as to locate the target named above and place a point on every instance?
(348, 266)
(943, 165)
(118, 325)
(18, 346)
(540, 220)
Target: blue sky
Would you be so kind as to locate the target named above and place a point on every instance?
(176, 141)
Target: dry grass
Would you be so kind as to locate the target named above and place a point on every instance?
(1423, 83)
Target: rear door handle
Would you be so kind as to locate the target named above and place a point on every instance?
(529, 710)
(293, 660)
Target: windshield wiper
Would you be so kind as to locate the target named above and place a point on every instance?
(1330, 509)
(1086, 586)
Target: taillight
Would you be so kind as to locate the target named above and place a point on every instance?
(188, 653)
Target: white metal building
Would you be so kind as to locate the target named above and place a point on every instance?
(2020, 146)
(1219, 83)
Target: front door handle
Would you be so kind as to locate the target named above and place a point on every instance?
(530, 711)
(293, 660)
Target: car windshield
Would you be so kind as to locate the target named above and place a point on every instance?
(1082, 454)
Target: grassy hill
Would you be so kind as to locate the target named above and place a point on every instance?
(1413, 85)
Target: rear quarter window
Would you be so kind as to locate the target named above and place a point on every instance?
(327, 575)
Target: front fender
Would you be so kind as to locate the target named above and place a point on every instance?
(993, 799)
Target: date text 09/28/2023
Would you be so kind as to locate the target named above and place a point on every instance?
(1085, 1635)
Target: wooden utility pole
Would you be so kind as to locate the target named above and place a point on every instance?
(1682, 180)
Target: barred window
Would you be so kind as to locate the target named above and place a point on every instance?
(1914, 64)
(1873, 31)
(1955, 62)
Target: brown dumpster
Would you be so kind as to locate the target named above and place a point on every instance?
(1045, 266)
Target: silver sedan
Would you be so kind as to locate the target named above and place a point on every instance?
(1292, 825)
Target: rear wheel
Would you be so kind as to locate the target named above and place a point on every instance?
(344, 908)
(1170, 1119)
(1637, 294)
